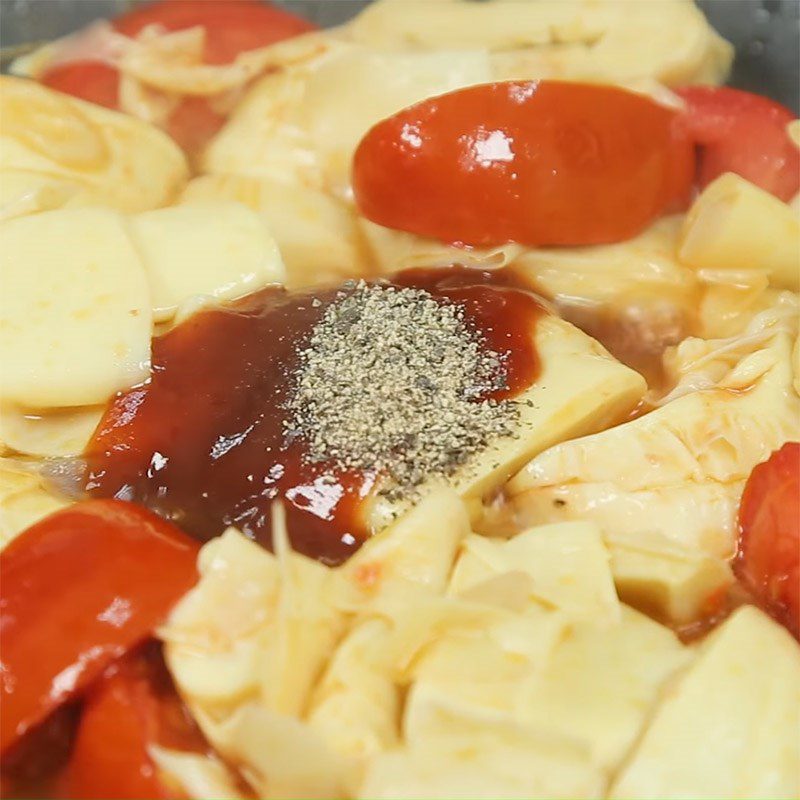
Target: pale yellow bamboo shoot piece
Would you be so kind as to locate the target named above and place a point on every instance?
(735, 225)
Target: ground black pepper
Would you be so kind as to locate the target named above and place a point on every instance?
(395, 381)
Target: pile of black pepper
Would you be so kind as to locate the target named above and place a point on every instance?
(395, 381)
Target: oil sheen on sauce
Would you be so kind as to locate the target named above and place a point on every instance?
(202, 442)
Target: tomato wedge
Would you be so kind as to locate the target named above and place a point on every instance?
(193, 124)
(744, 133)
(768, 560)
(133, 706)
(109, 758)
(32, 766)
(231, 26)
(540, 163)
(79, 589)
(92, 81)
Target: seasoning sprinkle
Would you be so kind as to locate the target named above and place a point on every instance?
(395, 381)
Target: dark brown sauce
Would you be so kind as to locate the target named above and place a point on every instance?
(202, 443)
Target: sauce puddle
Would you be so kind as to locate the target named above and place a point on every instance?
(202, 443)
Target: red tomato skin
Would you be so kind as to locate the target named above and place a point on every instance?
(79, 589)
(193, 124)
(768, 557)
(547, 163)
(132, 706)
(109, 757)
(92, 81)
(745, 133)
(232, 26)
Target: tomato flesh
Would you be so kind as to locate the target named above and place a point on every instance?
(231, 27)
(134, 705)
(92, 81)
(194, 123)
(79, 589)
(768, 559)
(540, 163)
(745, 133)
(109, 758)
